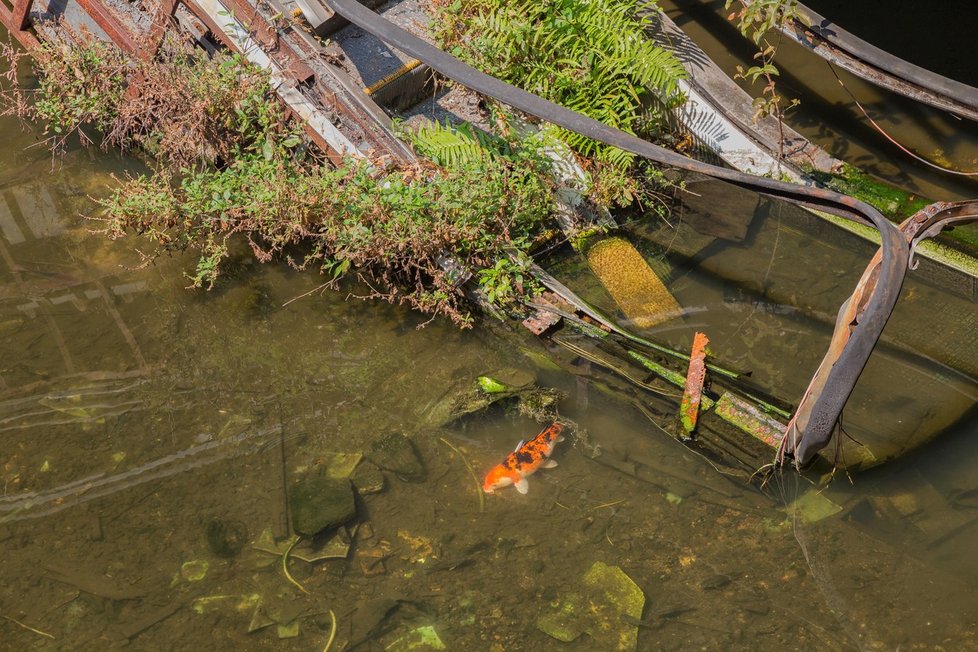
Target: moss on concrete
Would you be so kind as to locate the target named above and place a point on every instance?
(893, 202)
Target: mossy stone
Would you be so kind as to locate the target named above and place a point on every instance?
(319, 502)
(226, 538)
(368, 479)
(396, 453)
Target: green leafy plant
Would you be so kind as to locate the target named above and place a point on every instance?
(505, 281)
(756, 19)
(392, 226)
(184, 107)
(592, 56)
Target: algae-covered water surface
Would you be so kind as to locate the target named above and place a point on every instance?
(160, 448)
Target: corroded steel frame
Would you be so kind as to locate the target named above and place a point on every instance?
(301, 63)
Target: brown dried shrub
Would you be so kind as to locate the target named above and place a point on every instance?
(184, 107)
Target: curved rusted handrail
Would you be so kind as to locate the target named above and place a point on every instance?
(887, 63)
(805, 435)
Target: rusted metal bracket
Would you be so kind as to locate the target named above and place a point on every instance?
(113, 27)
(814, 422)
(17, 19)
(21, 13)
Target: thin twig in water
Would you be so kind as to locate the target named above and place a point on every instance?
(306, 294)
(285, 564)
(607, 364)
(475, 478)
(27, 627)
(332, 631)
(611, 504)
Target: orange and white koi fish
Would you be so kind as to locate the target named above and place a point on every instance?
(524, 461)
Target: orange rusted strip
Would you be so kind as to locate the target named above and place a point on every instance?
(110, 24)
(161, 21)
(21, 13)
(16, 22)
(268, 37)
(695, 377)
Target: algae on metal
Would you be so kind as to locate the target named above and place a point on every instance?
(750, 419)
(889, 200)
(672, 377)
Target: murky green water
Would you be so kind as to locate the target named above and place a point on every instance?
(828, 114)
(149, 435)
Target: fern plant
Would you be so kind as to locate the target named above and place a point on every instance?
(457, 146)
(592, 56)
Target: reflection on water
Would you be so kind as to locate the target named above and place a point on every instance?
(150, 436)
(828, 115)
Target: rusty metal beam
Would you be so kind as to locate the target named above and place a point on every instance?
(162, 19)
(356, 108)
(333, 154)
(17, 24)
(110, 24)
(268, 37)
(21, 13)
(824, 48)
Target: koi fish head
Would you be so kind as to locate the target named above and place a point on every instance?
(499, 477)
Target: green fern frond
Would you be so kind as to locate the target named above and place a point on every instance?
(457, 146)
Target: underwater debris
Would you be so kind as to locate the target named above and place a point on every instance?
(422, 638)
(396, 453)
(318, 502)
(342, 465)
(630, 281)
(750, 418)
(194, 570)
(368, 479)
(607, 610)
(693, 392)
(490, 385)
(812, 507)
(226, 538)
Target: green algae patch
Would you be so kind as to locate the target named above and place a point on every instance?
(608, 602)
(562, 621)
(491, 385)
(813, 507)
(417, 640)
(889, 200)
(634, 286)
(750, 419)
(342, 465)
(615, 595)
